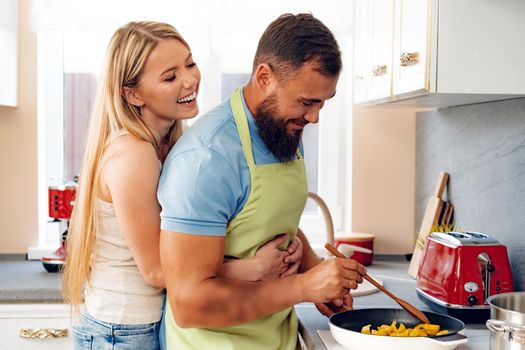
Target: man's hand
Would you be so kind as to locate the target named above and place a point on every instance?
(338, 305)
(331, 279)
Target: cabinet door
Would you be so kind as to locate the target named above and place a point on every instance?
(373, 49)
(10, 331)
(410, 46)
(8, 58)
(361, 50)
(17, 317)
(381, 42)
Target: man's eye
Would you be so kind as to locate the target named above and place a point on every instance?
(306, 104)
(191, 65)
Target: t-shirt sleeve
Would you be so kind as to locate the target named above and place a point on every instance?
(198, 192)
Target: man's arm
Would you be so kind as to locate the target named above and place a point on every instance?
(310, 259)
(199, 297)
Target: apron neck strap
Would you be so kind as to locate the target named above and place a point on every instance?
(242, 126)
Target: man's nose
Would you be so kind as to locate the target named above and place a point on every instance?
(312, 116)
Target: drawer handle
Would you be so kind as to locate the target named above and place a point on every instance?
(43, 333)
(379, 70)
(409, 58)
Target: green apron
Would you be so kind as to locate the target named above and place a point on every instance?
(276, 201)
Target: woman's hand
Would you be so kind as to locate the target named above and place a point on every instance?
(270, 261)
(295, 249)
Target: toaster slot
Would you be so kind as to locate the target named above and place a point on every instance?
(485, 268)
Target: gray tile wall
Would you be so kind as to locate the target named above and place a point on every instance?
(482, 147)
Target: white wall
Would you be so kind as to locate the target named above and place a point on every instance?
(383, 177)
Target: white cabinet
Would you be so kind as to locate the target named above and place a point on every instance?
(410, 46)
(9, 53)
(37, 319)
(438, 53)
(373, 65)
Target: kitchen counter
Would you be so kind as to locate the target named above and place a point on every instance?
(392, 270)
(27, 282)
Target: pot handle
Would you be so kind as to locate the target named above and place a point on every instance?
(448, 340)
(511, 331)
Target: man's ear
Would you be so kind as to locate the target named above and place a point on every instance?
(132, 96)
(265, 78)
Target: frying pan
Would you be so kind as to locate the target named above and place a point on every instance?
(346, 330)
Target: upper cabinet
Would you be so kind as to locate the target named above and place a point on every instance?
(9, 53)
(438, 53)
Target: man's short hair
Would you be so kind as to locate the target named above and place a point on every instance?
(293, 40)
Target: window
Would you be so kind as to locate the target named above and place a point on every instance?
(223, 38)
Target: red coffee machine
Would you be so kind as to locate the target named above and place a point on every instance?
(61, 198)
(459, 271)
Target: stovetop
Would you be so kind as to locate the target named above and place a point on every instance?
(329, 341)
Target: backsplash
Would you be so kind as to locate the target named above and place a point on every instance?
(482, 147)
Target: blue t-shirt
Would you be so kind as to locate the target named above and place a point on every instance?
(205, 180)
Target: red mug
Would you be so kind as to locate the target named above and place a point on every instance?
(363, 240)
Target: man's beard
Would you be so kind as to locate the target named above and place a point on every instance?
(273, 132)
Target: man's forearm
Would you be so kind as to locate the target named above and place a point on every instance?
(310, 259)
(222, 302)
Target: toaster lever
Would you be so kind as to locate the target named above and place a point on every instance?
(485, 268)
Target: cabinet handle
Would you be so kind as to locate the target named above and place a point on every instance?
(379, 70)
(409, 58)
(42, 333)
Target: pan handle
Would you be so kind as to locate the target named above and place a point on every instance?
(448, 340)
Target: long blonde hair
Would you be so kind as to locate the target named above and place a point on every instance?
(127, 52)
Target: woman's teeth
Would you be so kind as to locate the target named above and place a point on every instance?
(188, 98)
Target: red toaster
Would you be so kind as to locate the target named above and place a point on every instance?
(459, 271)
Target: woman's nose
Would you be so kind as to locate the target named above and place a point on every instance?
(190, 81)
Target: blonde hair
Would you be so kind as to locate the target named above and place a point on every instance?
(127, 52)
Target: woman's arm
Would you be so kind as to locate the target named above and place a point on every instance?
(129, 177)
(268, 263)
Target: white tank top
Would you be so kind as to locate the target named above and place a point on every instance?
(117, 292)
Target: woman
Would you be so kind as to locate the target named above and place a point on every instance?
(148, 86)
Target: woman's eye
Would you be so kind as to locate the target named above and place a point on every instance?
(170, 78)
(306, 104)
(191, 65)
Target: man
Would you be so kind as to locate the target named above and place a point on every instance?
(236, 180)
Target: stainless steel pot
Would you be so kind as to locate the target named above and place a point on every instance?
(507, 321)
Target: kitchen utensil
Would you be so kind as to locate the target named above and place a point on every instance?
(363, 240)
(450, 212)
(460, 271)
(404, 304)
(507, 321)
(349, 249)
(346, 329)
(431, 217)
(444, 213)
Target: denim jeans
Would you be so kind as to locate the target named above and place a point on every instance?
(93, 334)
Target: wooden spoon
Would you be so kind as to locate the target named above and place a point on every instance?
(404, 304)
